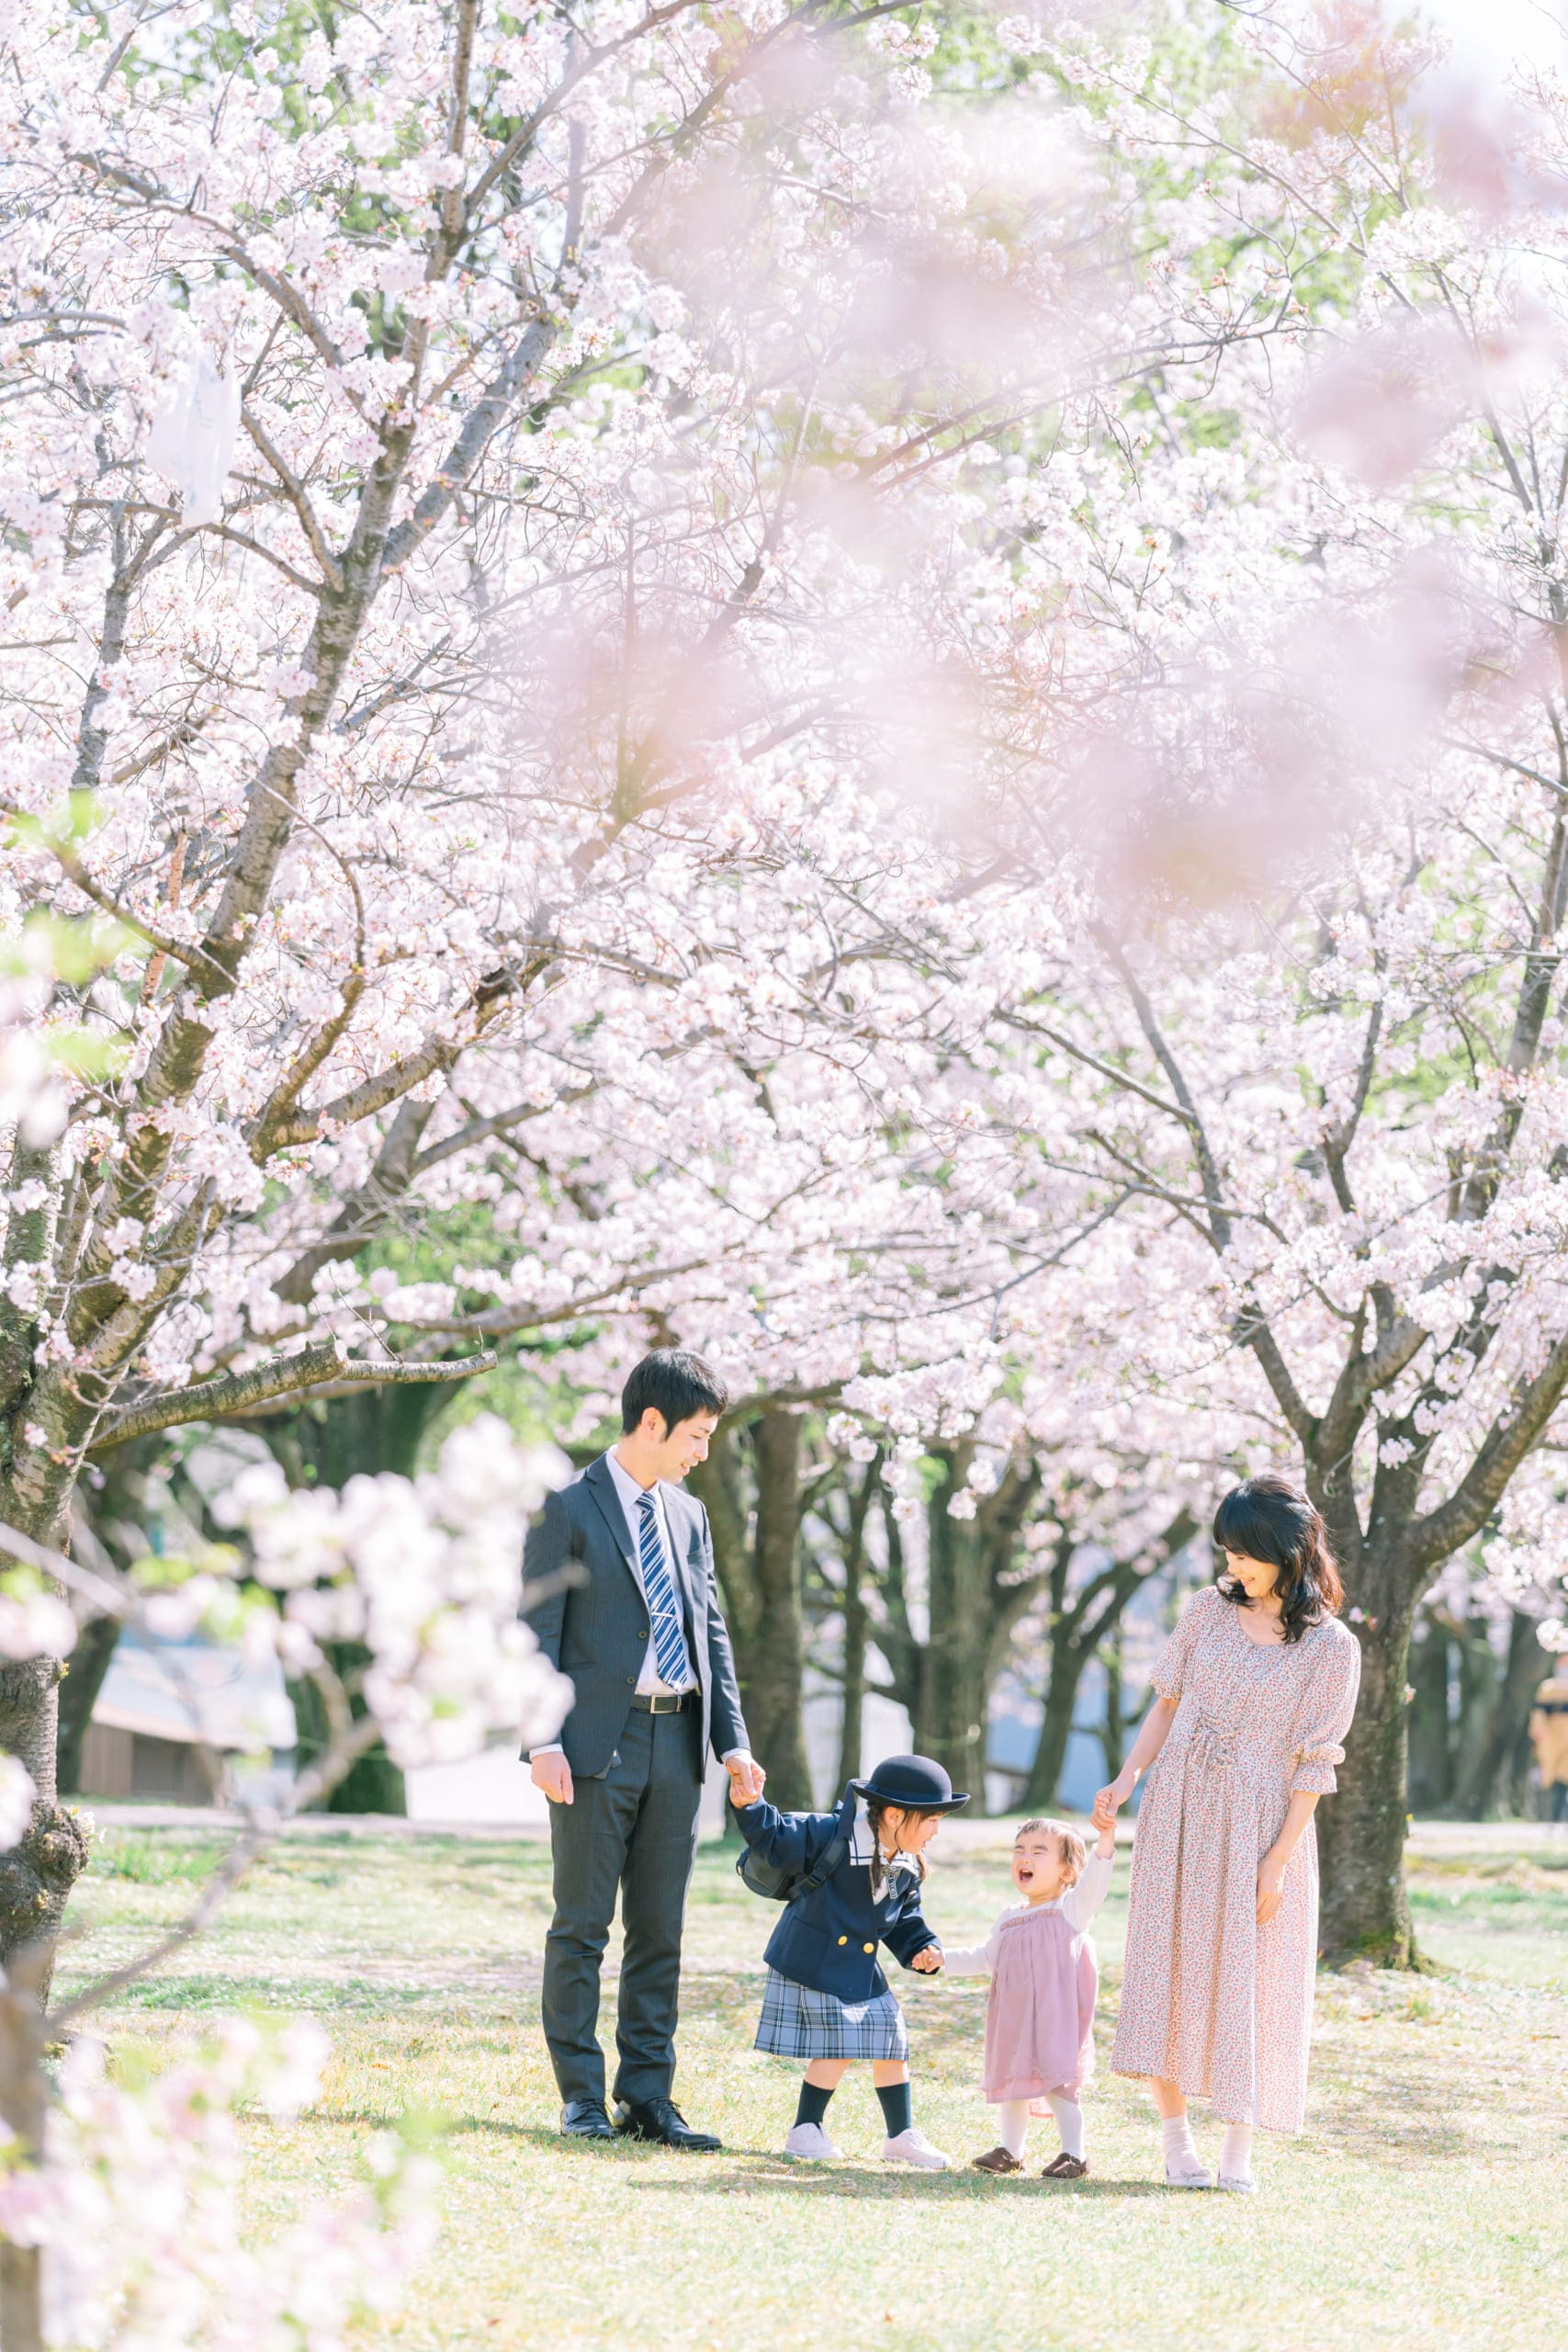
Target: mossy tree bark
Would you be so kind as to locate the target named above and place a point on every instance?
(752, 1488)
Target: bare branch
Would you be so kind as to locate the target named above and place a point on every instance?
(236, 1393)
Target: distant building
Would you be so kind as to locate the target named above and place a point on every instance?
(178, 1722)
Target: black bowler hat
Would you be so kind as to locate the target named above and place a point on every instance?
(916, 1782)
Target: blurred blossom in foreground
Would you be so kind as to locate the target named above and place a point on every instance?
(426, 1572)
(139, 2209)
(16, 1794)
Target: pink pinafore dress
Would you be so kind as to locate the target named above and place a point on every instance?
(1040, 2015)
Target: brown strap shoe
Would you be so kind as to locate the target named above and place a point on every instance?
(1065, 2168)
(997, 2160)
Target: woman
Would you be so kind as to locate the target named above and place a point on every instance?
(1255, 1693)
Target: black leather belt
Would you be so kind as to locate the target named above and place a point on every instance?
(664, 1702)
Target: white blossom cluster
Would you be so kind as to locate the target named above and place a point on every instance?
(139, 2208)
(426, 1574)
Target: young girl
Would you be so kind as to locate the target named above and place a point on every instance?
(1040, 2015)
(827, 2000)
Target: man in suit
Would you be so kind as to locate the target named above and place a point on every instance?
(629, 1607)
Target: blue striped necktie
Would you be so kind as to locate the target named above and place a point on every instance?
(670, 1652)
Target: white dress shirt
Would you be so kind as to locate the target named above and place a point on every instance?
(629, 1495)
(649, 1683)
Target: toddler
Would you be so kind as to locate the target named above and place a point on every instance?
(1040, 2015)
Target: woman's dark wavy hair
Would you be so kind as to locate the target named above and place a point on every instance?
(1268, 1518)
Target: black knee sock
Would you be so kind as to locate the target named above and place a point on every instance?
(896, 2107)
(812, 2103)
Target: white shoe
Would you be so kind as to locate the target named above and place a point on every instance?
(1240, 2186)
(1188, 2177)
(810, 2142)
(912, 2147)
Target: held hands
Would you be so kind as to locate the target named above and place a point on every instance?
(747, 1779)
(929, 1962)
(1110, 1801)
(552, 1773)
(1271, 1887)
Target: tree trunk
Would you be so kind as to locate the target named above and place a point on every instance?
(1503, 1767)
(36, 1876)
(1479, 1683)
(1068, 1661)
(373, 1783)
(88, 1664)
(24, 2095)
(1361, 1828)
(759, 1573)
(956, 1682)
(1431, 1744)
(326, 1443)
(857, 1632)
(770, 1685)
(1113, 1730)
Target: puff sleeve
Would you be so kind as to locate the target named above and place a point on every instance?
(1327, 1709)
(1169, 1677)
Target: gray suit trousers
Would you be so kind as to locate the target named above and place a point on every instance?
(632, 1829)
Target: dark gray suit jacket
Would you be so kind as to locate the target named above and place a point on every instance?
(594, 1628)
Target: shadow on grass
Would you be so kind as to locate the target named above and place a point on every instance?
(735, 2170)
(1411, 2114)
(765, 2175)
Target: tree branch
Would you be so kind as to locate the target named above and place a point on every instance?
(235, 1393)
(1437, 1536)
(294, 489)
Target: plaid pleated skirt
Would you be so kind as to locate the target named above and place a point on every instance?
(798, 2023)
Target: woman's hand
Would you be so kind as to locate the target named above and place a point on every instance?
(1110, 1801)
(1271, 1887)
(929, 1962)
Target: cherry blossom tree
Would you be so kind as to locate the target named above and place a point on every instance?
(437, 643)
(1308, 1034)
(119, 2212)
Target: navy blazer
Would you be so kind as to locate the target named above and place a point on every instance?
(829, 1940)
(593, 1620)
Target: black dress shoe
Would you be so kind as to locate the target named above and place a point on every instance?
(660, 2120)
(584, 2119)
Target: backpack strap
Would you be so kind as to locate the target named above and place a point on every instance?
(833, 1855)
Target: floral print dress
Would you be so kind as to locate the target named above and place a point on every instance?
(1210, 2000)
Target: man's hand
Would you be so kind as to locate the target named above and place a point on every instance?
(747, 1778)
(929, 1962)
(553, 1775)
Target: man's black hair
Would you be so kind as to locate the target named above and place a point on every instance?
(676, 1383)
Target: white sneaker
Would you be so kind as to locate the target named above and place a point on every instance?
(1188, 2176)
(912, 2147)
(809, 2140)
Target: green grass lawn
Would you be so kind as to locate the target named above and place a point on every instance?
(1425, 2206)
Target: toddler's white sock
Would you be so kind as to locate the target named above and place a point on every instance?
(1013, 2125)
(1235, 2154)
(1180, 2149)
(1070, 2123)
